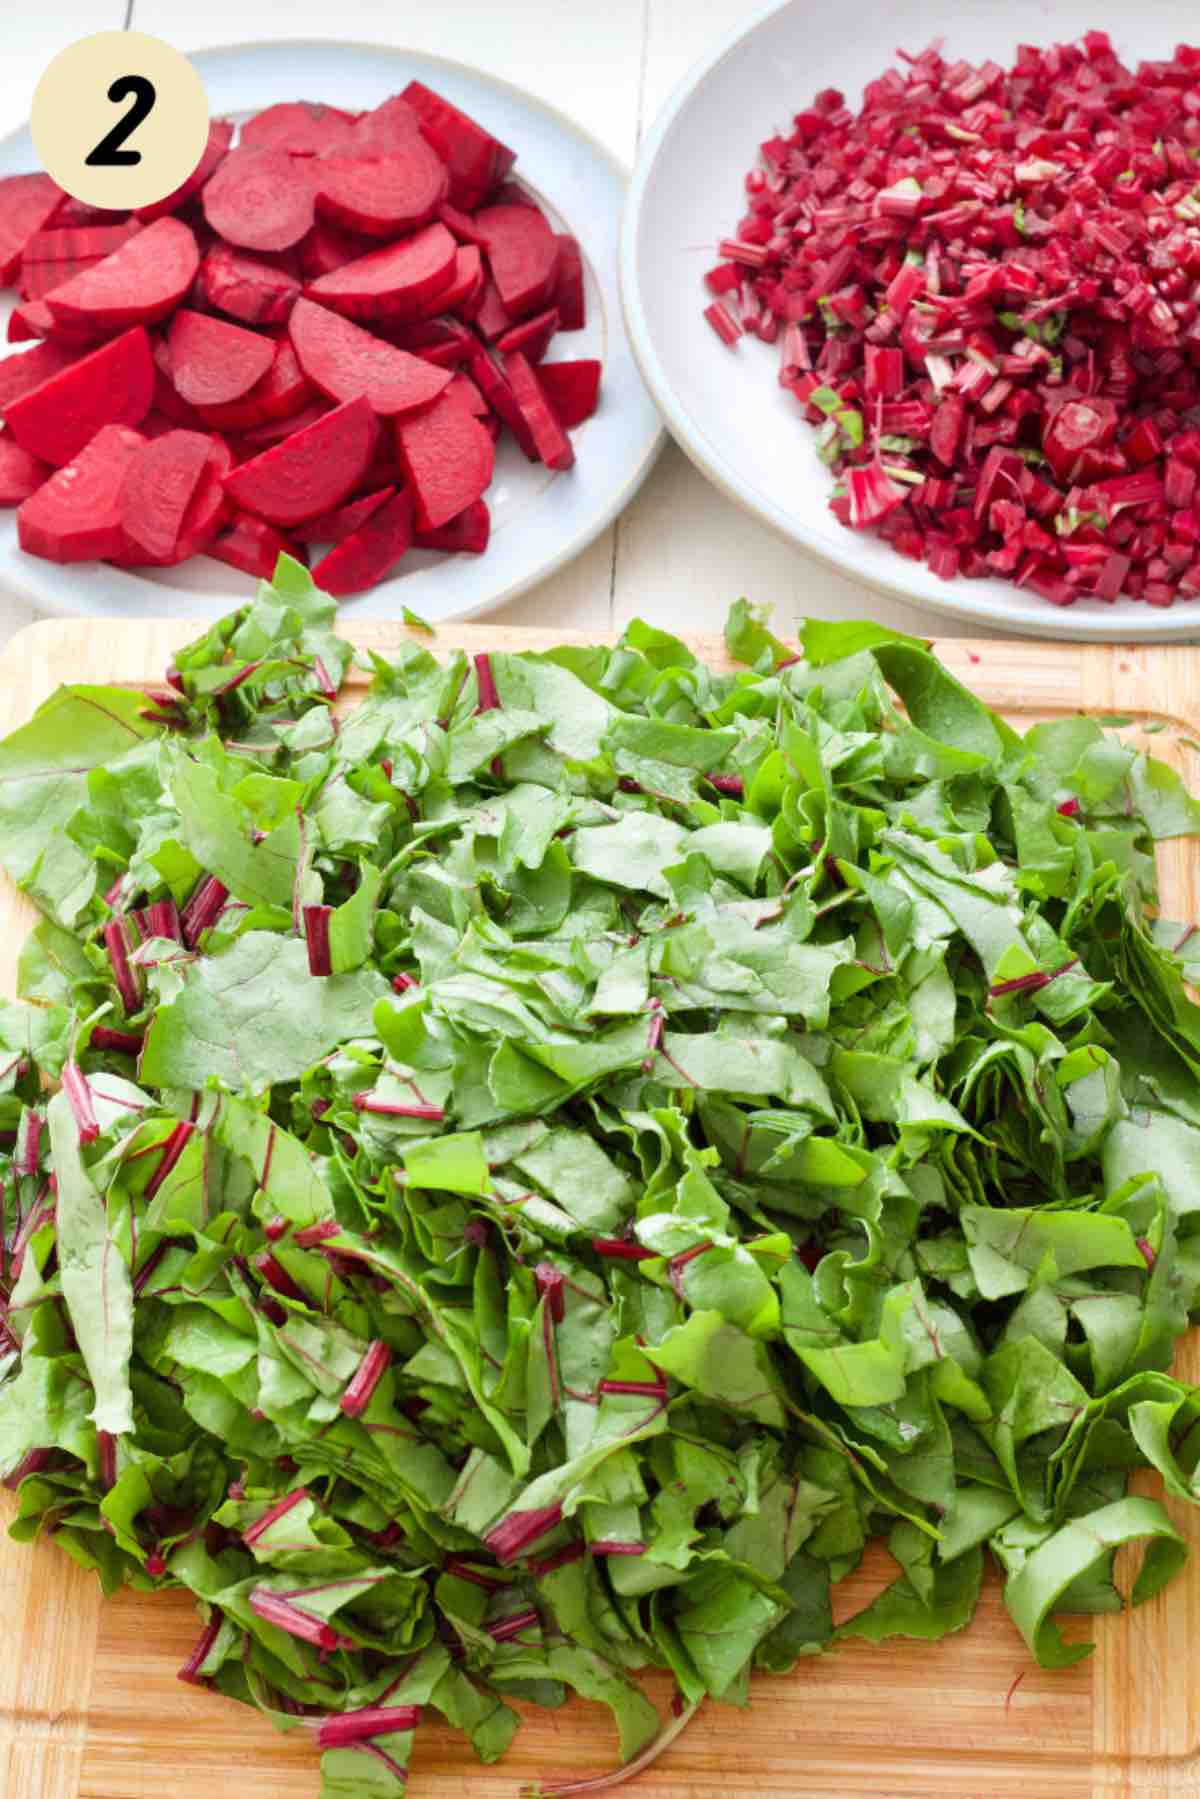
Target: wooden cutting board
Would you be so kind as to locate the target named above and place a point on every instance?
(89, 1704)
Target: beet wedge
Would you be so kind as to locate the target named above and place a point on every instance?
(142, 281)
(29, 368)
(371, 552)
(76, 515)
(466, 535)
(392, 283)
(522, 253)
(572, 388)
(312, 471)
(273, 431)
(448, 458)
(112, 386)
(280, 394)
(259, 200)
(158, 488)
(220, 136)
(569, 292)
(327, 248)
(384, 196)
(253, 546)
(344, 361)
(332, 527)
(212, 361)
(551, 441)
(20, 473)
(27, 203)
(476, 161)
(299, 127)
(389, 127)
(532, 337)
(494, 385)
(249, 288)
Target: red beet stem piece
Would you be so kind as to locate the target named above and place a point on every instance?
(381, 196)
(280, 394)
(522, 252)
(476, 160)
(467, 534)
(572, 388)
(112, 386)
(142, 281)
(27, 203)
(348, 1728)
(332, 527)
(173, 1147)
(75, 516)
(212, 361)
(20, 473)
(499, 395)
(260, 200)
(247, 287)
(296, 1622)
(253, 546)
(29, 368)
(158, 488)
(125, 978)
(203, 909)
(79, 1098)
(553, 444)
(104, 1037)
(299, 127)
(310, 472)
(388, 1108)
(316, 937)
(531, 337)
(394, 282)
(369, 553)
(220, 136)
(569, 290)
(345, 362)
(363, 1382)
(519, 1530)
(448, 458)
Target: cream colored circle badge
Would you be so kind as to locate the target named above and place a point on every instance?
(120, 119)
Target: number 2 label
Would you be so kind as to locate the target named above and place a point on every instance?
(109, 153)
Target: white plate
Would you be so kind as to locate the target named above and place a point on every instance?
(539, 519)
(726, 408)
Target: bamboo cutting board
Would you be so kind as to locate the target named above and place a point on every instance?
(89, 1704)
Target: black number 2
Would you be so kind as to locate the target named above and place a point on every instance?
(108, 153)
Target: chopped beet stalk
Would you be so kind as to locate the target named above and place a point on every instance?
(369, 553)
(448, 458)
(79, 1098)
(280, 394)
(723, 323)
(260, 200)
(476, 160)
(276, 1275)
(142, 281)
(522, 253)
(467, 534)
(172, 1149)
(158, 488)
(250, 288)
(212, 361)
(620, 1249)
(284, 1615)
(76, 515)
(253, 546)
(123, 1042)
(203, 909)
(361, 1387)
(299, 127)
(316, 936)
(569, 291)
(384, 196)
(872, 494)
(572, 388)
(386, 1108)
(27, 204)
(220, 136)
(510, 1538)
(112, 386)
(485, 684)
(20, 473)
(551, 441)
(332, 527)
(124, 978)
(1075, 427)
(344, 362)
(531, 337)
(29, 368)
(405, 983)
(312, 471)
(395, 282)
(314, 1234)
(348, 1728)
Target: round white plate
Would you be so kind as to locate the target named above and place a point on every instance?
(539, 519)
(725, 407)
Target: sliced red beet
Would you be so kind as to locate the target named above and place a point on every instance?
(37, 279)
(75, 516)
(369, 553)
(279, 395)
(142, 281)
(391, 283)
(299, 127)
(531, 337)
(572, 388)
(381, 197)
(552, 443)
(29, 368)
(249, 288)
(476, 160)
(253, 546)
(326, 248)
(522, 252)
(492, 319)
(439, 332)
(156, 423)
(20, 473)
(496, 390)
(465, 290)
(345, 361)
(461, 224)
(467, 534)
(464, 390)
(208, 507)
(220, 136)
(259, 200)
(112, 386)
(312, 471)
(27, 203)
(78, 243)
(274, 431)
(33, 320)
(166, 398)
(158, 488)
(448, 458)
(212, 361)
(331, 527)
(569, 293)
(389, 127)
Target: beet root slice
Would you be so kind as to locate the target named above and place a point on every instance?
(142, 281)
(465, 290)
(298, 127)
(259, 200)
(572, 388)
(522, 252)
(312, 471)
(551, 441)
(477, 162)
(29, 368)
(492, 318)
(253, 546)
(569, 293)
(34, 319)
(467, 534)
(344, 361)
(27, 204)
(212, 361)
(332, 527)
(392, 283)
(388, 128)
(448, 457)
(464, 390)
(158, 488)
(112, 386)
(369, 553)
(327, 248)
(77, 243)
(20, 473)
(381, 197)
(493, 383)
(75, 516)
(274, 431)
(280, 394)
(220, 136)
(246, 287)
(532, 337)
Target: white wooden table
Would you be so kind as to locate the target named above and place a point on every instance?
(681, 552)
